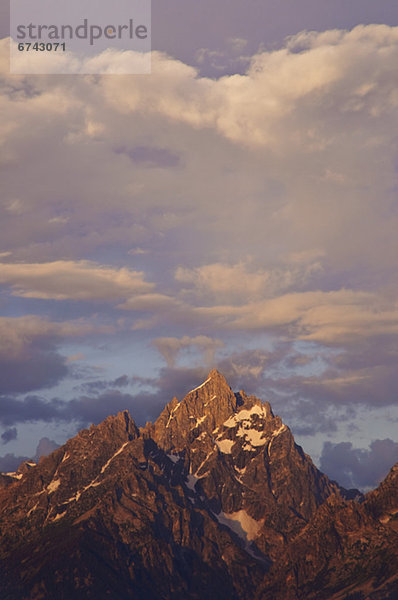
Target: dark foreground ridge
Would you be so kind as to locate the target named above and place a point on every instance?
(214, 500)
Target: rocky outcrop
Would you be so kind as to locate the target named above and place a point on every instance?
(383, 502)
(343, 553)
(214, 500)
(110, 515)
(245, 462)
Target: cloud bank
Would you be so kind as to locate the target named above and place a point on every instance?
(151, 226)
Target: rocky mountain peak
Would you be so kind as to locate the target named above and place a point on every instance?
(243, 460)
(383, 501)
(120, 426)
(202, 409)
(214, 500)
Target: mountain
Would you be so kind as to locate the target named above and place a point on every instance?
(213, 500)
(245, 462)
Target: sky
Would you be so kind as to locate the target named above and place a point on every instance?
(236, 209)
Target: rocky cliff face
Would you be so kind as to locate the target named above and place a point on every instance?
(244, 461)
(383, 502)
(214, 500)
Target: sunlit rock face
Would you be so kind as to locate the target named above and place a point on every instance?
(214, 500)
(244, 460)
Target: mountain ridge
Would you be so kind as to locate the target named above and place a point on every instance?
(214, 499)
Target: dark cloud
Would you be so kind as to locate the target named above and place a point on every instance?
(304, 402)
(317, 392)
(92, 387)
(121, 381)
(9, 434)
(29, 359)
(40, 367)
(82, 410)
(148, 156)
(94, 409)
(381, 350)
(172, 382)
(45, 447)
(31, 408)
(359, 467)
(250, 370)
(270, 375)
(10, 463)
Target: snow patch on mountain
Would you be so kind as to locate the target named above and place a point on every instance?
(246, 415)
(191, 481)
(14, 475)
(59, 516)
(174, 457)
(252, 437)
(172, 414)
(106, 465)
(32, 509)
(54, 485)
(202, 464)
(274, 435)
(241, 523)
(225, 446)
(199, 386)
(211, 399)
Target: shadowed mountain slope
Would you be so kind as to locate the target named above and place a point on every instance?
(213, 500)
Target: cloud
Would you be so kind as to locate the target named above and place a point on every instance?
(82, 410)
(289, 81)
(242, 282)
(44, 447)
(31, 409)
(335, 317)
(9, 435)
(17, 333)
(91, 387)
(258, 207)
(359, 467)
(150, 156)
(331, 147)
(171, 347)
(233, 58)
(151, 302)
(10, 462)
(80, 280)
(170, 382)
(251, 369)
(29, 357)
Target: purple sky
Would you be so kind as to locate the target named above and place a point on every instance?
(237, 208)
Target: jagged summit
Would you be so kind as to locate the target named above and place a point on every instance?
(214, 388)
(213, 378)
(214, 500)
(120, 425)
(203, 408)
(244, 459)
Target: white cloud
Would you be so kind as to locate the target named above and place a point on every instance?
(242, 281)
(281, 188)
(334, 72)
(18, 333)
(292, 156)
(72, 280)
(337, 317)
(150, 302)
